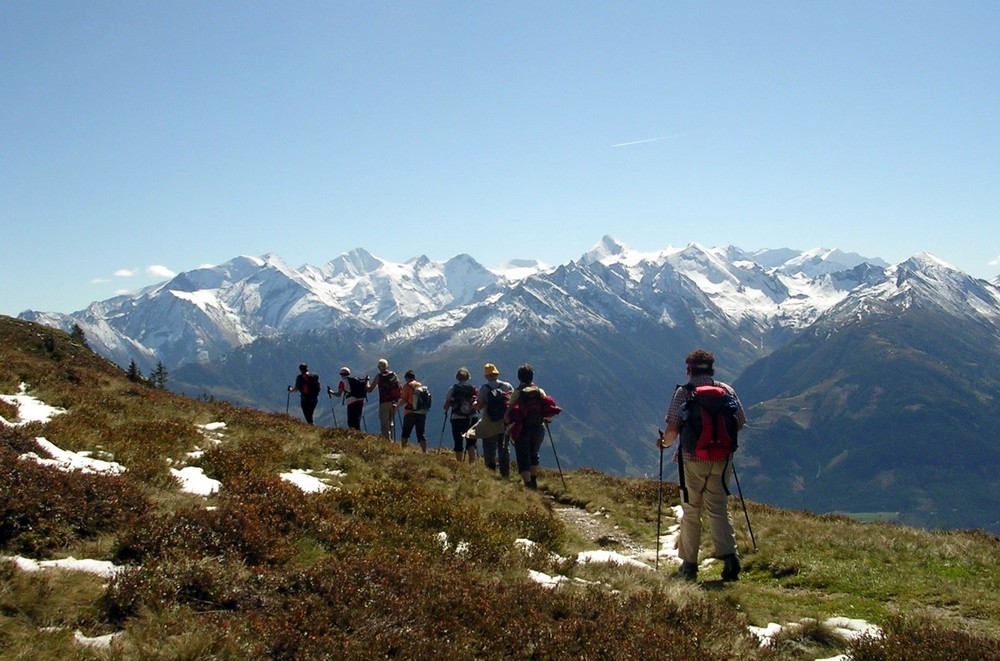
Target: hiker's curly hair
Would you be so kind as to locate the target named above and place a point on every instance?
(700, 361)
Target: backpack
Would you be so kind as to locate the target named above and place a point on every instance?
(496, 403)
(421, 399)
(461, 399)
(388, 387)
(708, 426)
(310, 385)
(356, 387)
(531, 409)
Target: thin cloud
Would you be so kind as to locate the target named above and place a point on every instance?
(100, 281)
(124, 273)
(994, 262)
(647, 140)
(159, 271)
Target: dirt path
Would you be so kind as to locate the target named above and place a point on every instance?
(595, 528)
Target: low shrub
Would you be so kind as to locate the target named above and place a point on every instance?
(922, 640)
(42, 509)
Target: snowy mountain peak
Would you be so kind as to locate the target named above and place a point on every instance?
(607, 247)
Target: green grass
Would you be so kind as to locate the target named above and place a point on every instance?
(263, 570)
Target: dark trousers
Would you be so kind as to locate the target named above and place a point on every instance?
(354, 412)
(494, 446)
(417, 421)
(308, 406)
(527, 446)
(458, 428)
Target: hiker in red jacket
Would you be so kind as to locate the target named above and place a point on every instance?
(530, 409)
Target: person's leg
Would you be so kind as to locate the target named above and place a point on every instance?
(421, 425)
(456, 438)
(504, 456)
(695, 478)
(490, 452)
(308, 407)
(537, 439)
(522, 451)
(716, 504)
(354, 415)
(408, 422)
(385, 415)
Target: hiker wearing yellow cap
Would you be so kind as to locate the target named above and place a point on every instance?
(492, 404)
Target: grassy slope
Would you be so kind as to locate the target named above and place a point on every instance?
(360, 571)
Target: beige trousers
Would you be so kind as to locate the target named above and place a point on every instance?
(705, 492)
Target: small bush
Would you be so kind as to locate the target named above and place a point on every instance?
(42, 508)
(227, 531)
(923, 640)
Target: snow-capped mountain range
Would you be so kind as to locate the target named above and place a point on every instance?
(203, 314)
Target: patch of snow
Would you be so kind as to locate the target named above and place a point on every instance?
(101, 568)
(305, 481)
(100, 642)
(193, 480)
(30, 409)
(67, 461)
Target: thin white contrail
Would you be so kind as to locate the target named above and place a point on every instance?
(642, 142)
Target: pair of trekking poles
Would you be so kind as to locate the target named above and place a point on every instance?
(659, 504)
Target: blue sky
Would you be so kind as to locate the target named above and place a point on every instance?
(143, 138)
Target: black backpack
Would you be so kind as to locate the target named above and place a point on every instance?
(496, 403)
(461, 399)
(388, 387)
(708, 422)
(356, 387)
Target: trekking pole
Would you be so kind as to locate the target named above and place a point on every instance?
(329, 393)
(288, 400)
(659, 505)
(739, 490)
(556, 456)
(444, 423)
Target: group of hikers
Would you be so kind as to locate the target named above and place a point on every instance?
(705, 415)
(497, 412)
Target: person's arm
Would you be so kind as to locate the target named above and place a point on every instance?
(374, 382)
(672, 422)
(669, 436)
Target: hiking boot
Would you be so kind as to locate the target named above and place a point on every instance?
(534, 483)
(687, 572)
(731, 569)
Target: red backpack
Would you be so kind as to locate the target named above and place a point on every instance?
(708, 425)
